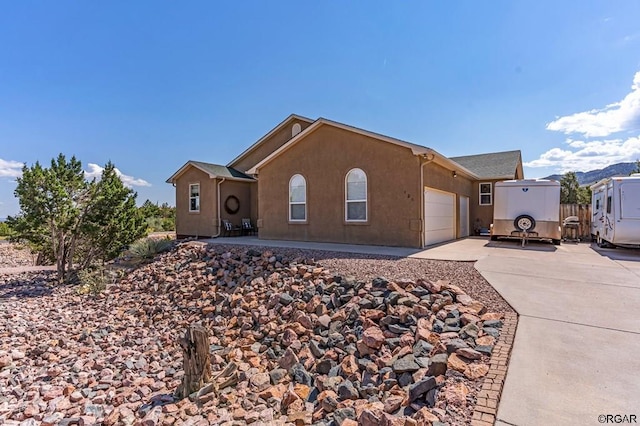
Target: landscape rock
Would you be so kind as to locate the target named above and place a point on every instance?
(290, 343)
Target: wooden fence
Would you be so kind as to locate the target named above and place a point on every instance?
(583, 212)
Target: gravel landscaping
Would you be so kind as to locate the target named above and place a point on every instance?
(12, 256)
(297, 337)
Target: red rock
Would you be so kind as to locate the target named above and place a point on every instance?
(468, 319)
(301, 390)
(373, 337)
(393, 403)
(371, 417)
(170, 408)
(31, 410)
(469, 353)
(112, 418)
(486, 340)
(456, 394)
(456, 363)
(4, 361)
(425, 417)
(475, 371)
(423, 329)
(349, 366)
(491, 316)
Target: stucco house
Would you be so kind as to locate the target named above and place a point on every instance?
(320, 180)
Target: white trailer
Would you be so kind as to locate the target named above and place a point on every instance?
(615, 210)
(527, 209)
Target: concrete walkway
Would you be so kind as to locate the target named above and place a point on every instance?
(576, 354)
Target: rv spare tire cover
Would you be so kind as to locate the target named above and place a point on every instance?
(524, 222)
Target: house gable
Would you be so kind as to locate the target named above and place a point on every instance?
(324, 159)
(415, 149)
(270, 142)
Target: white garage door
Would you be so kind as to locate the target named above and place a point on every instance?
(439, 216)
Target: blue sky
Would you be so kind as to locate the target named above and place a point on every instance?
(150, 85)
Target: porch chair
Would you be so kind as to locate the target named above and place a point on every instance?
(247, 227)
(229, 228)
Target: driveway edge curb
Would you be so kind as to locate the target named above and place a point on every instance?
(486, 409)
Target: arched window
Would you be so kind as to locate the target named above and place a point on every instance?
(297, 199)
(356, 196)
(295, 129)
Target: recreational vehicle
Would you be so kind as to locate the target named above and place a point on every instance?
(615, 210)
(527, 209)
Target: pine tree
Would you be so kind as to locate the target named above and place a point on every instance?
(569, 188)
(70, 220)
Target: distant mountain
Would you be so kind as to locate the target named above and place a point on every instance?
(587, 178)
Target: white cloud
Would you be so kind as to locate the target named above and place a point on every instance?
(10, 168)
(617, 117)
(95, 171)
(589, 155)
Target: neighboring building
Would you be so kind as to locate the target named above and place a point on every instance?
(320, 180)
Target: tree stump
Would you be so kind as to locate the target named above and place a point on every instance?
(197, 366)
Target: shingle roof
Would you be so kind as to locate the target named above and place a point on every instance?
(221, 171)
(214, 170)
(497, 165)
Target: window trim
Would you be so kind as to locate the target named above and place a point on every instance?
(480, 194)
(365, 200)
(198, 197)
(291, 203)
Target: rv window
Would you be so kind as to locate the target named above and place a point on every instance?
(598, 204)
(609, 204)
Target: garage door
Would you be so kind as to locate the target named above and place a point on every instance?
(439, 216)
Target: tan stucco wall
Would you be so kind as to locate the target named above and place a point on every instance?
(324, 158)
(267, 146)
(438, 177)
(242, 190)
(206, 222)
(203, 223)
(484, 213)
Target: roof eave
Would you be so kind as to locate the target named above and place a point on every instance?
(181, 170)
(192, 163)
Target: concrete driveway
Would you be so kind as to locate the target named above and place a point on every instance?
(576, 354)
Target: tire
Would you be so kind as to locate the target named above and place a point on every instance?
(555, 242)
(524, 223)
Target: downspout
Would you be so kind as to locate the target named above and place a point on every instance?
(219, 212)
(425, 159)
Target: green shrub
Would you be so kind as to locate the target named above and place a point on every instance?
(95, 280)
(5, 230)
(147, 248)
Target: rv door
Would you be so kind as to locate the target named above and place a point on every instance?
(598, 209)
(609, 216)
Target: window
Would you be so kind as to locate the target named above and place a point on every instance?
(485, 194)
(356, 196)
(295, 129)
(194, 197)
(297, 199)
(609, 204)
